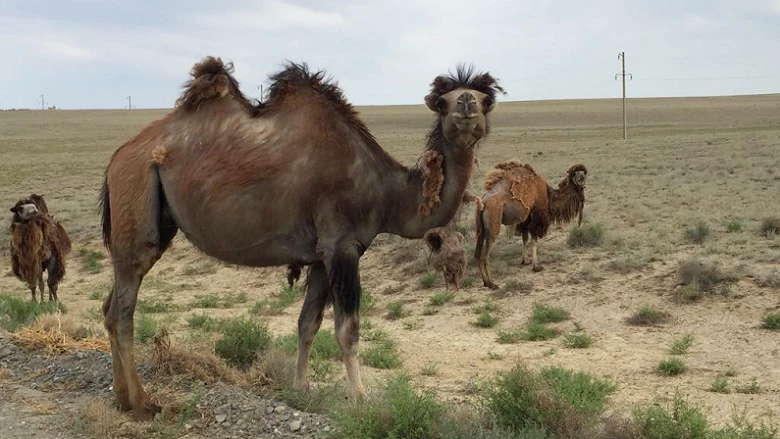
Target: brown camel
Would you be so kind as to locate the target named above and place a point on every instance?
(38, 243)
(447, 254)
(518, 196)
(298, 179)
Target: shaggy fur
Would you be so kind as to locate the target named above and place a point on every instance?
(533, 205)
(211, 78)
(37, 245)
(432, 170)
(447, 254)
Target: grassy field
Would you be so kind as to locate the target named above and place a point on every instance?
(670, 296)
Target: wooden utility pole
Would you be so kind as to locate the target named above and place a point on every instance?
(622, 57)
(42, 103)
(129, 103)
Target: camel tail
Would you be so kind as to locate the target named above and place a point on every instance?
(105, 220)
(480, 233)
(345, 282)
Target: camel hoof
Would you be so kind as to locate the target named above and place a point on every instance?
(538, 268)
(524, 262)
(491, 285)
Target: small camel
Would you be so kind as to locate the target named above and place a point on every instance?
(38, 243)
(313, 185)
(447, 254)
(518, 196)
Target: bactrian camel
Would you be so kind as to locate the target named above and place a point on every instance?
(298, 179)
(38, 243)
(518, 196)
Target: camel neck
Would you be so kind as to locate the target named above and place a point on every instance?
(402, 215)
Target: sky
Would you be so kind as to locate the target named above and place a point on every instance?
(84, 54)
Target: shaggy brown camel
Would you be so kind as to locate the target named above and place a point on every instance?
(38, 243)
(298, 180)
(518, 196)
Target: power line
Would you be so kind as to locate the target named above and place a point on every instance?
(723, 78)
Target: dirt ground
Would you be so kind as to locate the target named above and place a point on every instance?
(709, 159)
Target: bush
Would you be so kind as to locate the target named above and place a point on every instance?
(427, 280)
(242, 339)
(146, 328)
(681, 345)
(382, 355)
(648, 315)
(548, 314)
(698, 277)
(735, 226)
(697, 233)
(440, 299)
(679, 421)
(535, 331)
(770, 227)
(486, 320)
(556, 400)
(577, 340)
(399, 412)
(771, 321)
(395, 310)
(15, 312)
(588, 235)
(671, 367)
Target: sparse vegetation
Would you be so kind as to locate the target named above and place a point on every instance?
(697, 233)
(146, 328)
(751, 387)
(412, 325)
(548, 314)
(367, 302)
(771, 280)
(395, 310)
(286, 297)
(486, 320)
(91, 260)
(627, 264)
(15, 312)
(771, 321)
(770, 227)
(153, 306)
(535, 331)
(440, 299)
(577, 340)
(671, 366)
(735, 226)
(681, 420)
(587, 235)
(681, 345)
(242, 340)
(698, 278)
(720, 385)
(427, 280)
(648, 315)
(382, 355)
(429, 370)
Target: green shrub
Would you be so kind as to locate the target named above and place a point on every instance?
(548, 314)
(440, 299)
(681, 345)
(242, 340)
(681, 420)
(735, 226)
(698, 277)
(395, 310)
(15, 312)
(588, 235)
(720, 385)
(427, 280)
(486, 320)
(577, 340)
(535, 331)
(771, 321)
(153, 306)
(382, 355)
(146, 328)
(671, 366)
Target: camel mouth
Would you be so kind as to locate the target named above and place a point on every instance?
(466, 124)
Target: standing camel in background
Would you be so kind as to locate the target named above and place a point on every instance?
(296, 180)
(518, 196)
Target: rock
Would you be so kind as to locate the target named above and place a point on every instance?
(221, 418)
(326, 429)
(295, 425)
(280, 409)
(269, 410)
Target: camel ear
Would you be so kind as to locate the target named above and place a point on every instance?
(488, 104)
(433, 102)
(13, 209)
(433, 240)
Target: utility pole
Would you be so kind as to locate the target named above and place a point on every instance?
(42, 103)
(622, 57)
(129, 103)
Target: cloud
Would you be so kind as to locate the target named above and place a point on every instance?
(270, 15)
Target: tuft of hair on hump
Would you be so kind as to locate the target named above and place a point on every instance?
(432, 168)
(464, 77)
(212, 79)
(505, 170)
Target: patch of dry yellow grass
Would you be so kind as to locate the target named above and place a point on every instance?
(58, 335)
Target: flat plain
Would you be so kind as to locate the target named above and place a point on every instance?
(691, 168)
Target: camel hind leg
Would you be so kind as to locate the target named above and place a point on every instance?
(136, 242)
(310, 319)
(536, 267)
(56, 271)
(491, 226)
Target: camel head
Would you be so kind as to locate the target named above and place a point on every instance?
(463, 101)
(24, 210)
(577, 175)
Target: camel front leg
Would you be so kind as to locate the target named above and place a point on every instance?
(524, 261)
(40, 285)
(310, 320)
